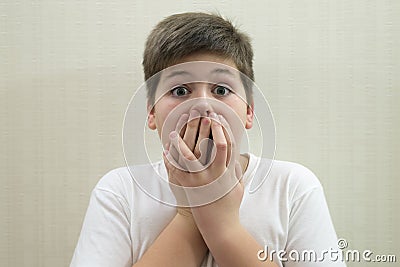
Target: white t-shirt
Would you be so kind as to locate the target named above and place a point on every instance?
(288, 212)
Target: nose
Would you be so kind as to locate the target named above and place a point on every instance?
(203, 106)
(202, 101)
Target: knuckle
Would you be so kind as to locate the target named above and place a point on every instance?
(188, 156)
(221, 145)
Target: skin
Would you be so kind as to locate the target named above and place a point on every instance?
(214, 226)
(167, 103)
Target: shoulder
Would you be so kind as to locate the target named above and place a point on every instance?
(295, 173)
(130, 181)
(287, 177)
(114, 180)
(299, 179)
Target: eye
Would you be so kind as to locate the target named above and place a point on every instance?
(221, 90)
(180, 91)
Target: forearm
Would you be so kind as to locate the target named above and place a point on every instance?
(179, 244)
(234, 246)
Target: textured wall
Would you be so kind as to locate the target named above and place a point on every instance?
(330, 70)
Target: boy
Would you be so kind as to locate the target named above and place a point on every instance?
(200, 120)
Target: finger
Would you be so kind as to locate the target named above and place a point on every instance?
(173, 153)
(175, 172)
(219, 141)
(204, 133)
(205, 151)
(166, 147)
(181, 124)
(192, 128)
(229, 138)
(186, 155)
(170, 164)
(171, 150)
(180, 128)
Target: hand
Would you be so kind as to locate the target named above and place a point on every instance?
(221, 175)
(188, 127)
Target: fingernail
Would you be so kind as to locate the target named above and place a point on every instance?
(205, 121)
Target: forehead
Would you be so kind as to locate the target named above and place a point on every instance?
(199, 71)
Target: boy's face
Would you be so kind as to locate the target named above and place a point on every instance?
(212, 86)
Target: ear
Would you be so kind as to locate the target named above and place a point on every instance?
(250, 115)
(151, 117)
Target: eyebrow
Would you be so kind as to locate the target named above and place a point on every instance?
(183, 72)
(223, 71)
(177, 72)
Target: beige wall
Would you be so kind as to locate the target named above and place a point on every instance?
(330, 70)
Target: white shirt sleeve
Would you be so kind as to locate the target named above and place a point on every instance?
(311, 230)
(105, 238)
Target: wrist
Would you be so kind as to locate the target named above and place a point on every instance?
(215, 238)
(221, 231)
(215, 220)
(185, 212)
(185, 218)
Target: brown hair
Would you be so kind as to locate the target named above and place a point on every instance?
(183, 34)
